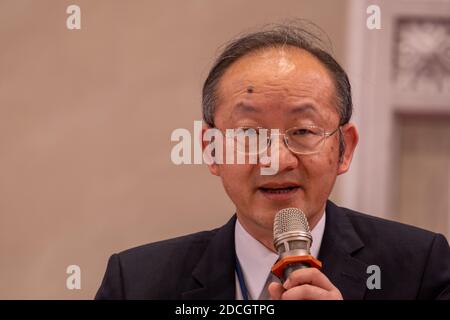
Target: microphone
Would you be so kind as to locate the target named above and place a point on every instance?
(292, 240)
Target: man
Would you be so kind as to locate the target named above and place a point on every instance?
(283, 79)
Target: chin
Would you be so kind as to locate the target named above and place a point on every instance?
(265, 216)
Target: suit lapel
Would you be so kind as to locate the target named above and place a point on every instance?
(214, 276)
(339, 245)
(214, 273)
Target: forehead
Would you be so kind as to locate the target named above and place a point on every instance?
(277, 78)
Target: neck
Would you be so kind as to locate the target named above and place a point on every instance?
(258, 232)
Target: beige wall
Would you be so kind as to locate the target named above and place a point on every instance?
(85, 123)
(423, 172)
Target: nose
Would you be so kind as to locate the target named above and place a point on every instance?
(287, 159)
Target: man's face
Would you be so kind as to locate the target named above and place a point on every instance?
(279, 88)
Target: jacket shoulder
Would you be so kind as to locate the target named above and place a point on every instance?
(154, 270)
(409, 257)
(380, 229)
(174, 245)
(176, 255)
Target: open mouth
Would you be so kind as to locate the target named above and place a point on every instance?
(284, 190)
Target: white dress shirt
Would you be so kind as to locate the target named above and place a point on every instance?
(256, 260)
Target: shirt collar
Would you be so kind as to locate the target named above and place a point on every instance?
(256, 260)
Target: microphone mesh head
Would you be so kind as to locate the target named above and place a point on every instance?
(289, 219)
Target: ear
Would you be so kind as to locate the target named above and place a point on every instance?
(351, 137)
(214, 167)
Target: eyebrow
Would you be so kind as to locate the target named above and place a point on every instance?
(242, 107)
(304, 108)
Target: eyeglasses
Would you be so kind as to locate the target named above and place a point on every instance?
(302, 140)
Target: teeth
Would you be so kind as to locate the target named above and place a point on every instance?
(280, 191)
(283, 190)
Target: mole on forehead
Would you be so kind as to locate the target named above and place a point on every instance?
(250, 89)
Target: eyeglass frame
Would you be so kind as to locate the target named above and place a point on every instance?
(325, 135)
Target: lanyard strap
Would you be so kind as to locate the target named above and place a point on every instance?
(241, 279)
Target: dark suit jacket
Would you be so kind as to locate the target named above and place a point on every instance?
(414, 263)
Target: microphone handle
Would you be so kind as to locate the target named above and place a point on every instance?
(292, 267)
